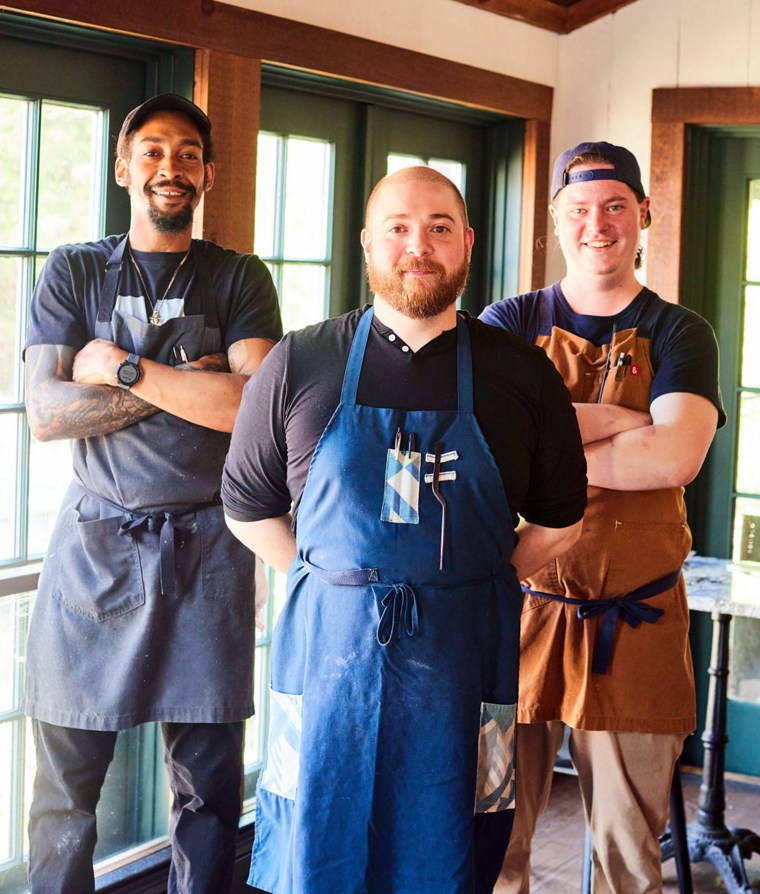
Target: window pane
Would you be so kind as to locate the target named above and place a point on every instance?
(267, 152)
(13, 115)
(307, 199)
(396, 162)
(8, 497)
(303, 296)
(753, 232)
(750, 374)
(747, 465)
(49, 476)
(12, 298)
(71, 155)
(454, 170)
(6, 790)
(15, 790)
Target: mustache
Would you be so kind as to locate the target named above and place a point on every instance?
(420, 264)
(170, 184)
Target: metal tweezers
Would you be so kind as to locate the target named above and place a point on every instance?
(437, 495)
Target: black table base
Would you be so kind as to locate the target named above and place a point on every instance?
(708, 838)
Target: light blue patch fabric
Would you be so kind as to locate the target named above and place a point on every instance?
(401, 495)
(280, 774)
(496, 767)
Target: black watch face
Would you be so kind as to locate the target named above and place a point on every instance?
(128, 373)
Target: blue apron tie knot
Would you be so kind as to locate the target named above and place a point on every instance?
(162, 522)
(629, 608)
(399, 614)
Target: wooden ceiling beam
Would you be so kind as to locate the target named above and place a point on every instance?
(549, 14)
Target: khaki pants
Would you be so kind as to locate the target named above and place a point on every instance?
(625, 781)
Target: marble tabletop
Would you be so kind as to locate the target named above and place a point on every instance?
(732, 588)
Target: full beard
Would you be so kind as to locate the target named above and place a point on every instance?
(418, 299)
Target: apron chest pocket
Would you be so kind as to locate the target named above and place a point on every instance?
(98, 573)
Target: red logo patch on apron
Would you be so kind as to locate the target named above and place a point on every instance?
(634, 370)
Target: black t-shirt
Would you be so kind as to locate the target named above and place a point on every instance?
(521, 405)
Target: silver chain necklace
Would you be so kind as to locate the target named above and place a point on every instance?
(155, 317)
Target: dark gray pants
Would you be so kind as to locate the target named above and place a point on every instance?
(204, 763)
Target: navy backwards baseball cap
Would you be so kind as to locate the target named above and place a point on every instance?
(624, 168)
(165, 102)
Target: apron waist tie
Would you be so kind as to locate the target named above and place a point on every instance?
(629, 608)
(162, 523)
(400, 613)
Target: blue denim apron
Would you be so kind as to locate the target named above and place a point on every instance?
(145, 604)
(394, 662)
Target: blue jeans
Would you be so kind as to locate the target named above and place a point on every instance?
(204, 762)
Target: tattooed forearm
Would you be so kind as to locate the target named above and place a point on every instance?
(60, 408)
(208, 363)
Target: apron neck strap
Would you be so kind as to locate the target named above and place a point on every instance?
(355, 359)
(111, 282)
(359, 345)
(464, 367)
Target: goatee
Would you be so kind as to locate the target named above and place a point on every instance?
(418, 298)
(171, 221)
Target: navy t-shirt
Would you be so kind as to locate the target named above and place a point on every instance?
(681, 345)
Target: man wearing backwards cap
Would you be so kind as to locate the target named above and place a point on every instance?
(138, 349)
(604, 632)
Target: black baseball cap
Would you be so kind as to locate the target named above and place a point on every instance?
(165, 102)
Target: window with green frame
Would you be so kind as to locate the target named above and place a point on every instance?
(62, 99)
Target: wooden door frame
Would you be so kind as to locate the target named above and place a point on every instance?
(231, 43)
(674, 110)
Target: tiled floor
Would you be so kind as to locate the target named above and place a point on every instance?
(558, 852)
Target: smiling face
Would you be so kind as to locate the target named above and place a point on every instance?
(164, 174)
(416, 243)
(598, 223)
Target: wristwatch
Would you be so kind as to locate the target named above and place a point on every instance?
(128, 371)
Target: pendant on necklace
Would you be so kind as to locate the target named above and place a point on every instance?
(155, 318)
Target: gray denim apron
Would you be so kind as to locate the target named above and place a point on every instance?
(146, 602)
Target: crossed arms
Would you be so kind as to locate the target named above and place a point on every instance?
(74, 394)
(630, 450)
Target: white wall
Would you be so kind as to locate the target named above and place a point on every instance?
(603, 74)
(436, 27)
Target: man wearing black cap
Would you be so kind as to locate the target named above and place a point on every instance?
(138, 350)
(604, 633)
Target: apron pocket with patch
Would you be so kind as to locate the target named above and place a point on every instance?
(228, 568)
(496, 768)
(98, 572)
(401, 494)
(280, 773)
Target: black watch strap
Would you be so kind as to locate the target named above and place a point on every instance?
(128, 371)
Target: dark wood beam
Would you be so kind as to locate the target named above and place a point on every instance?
(550, 15)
